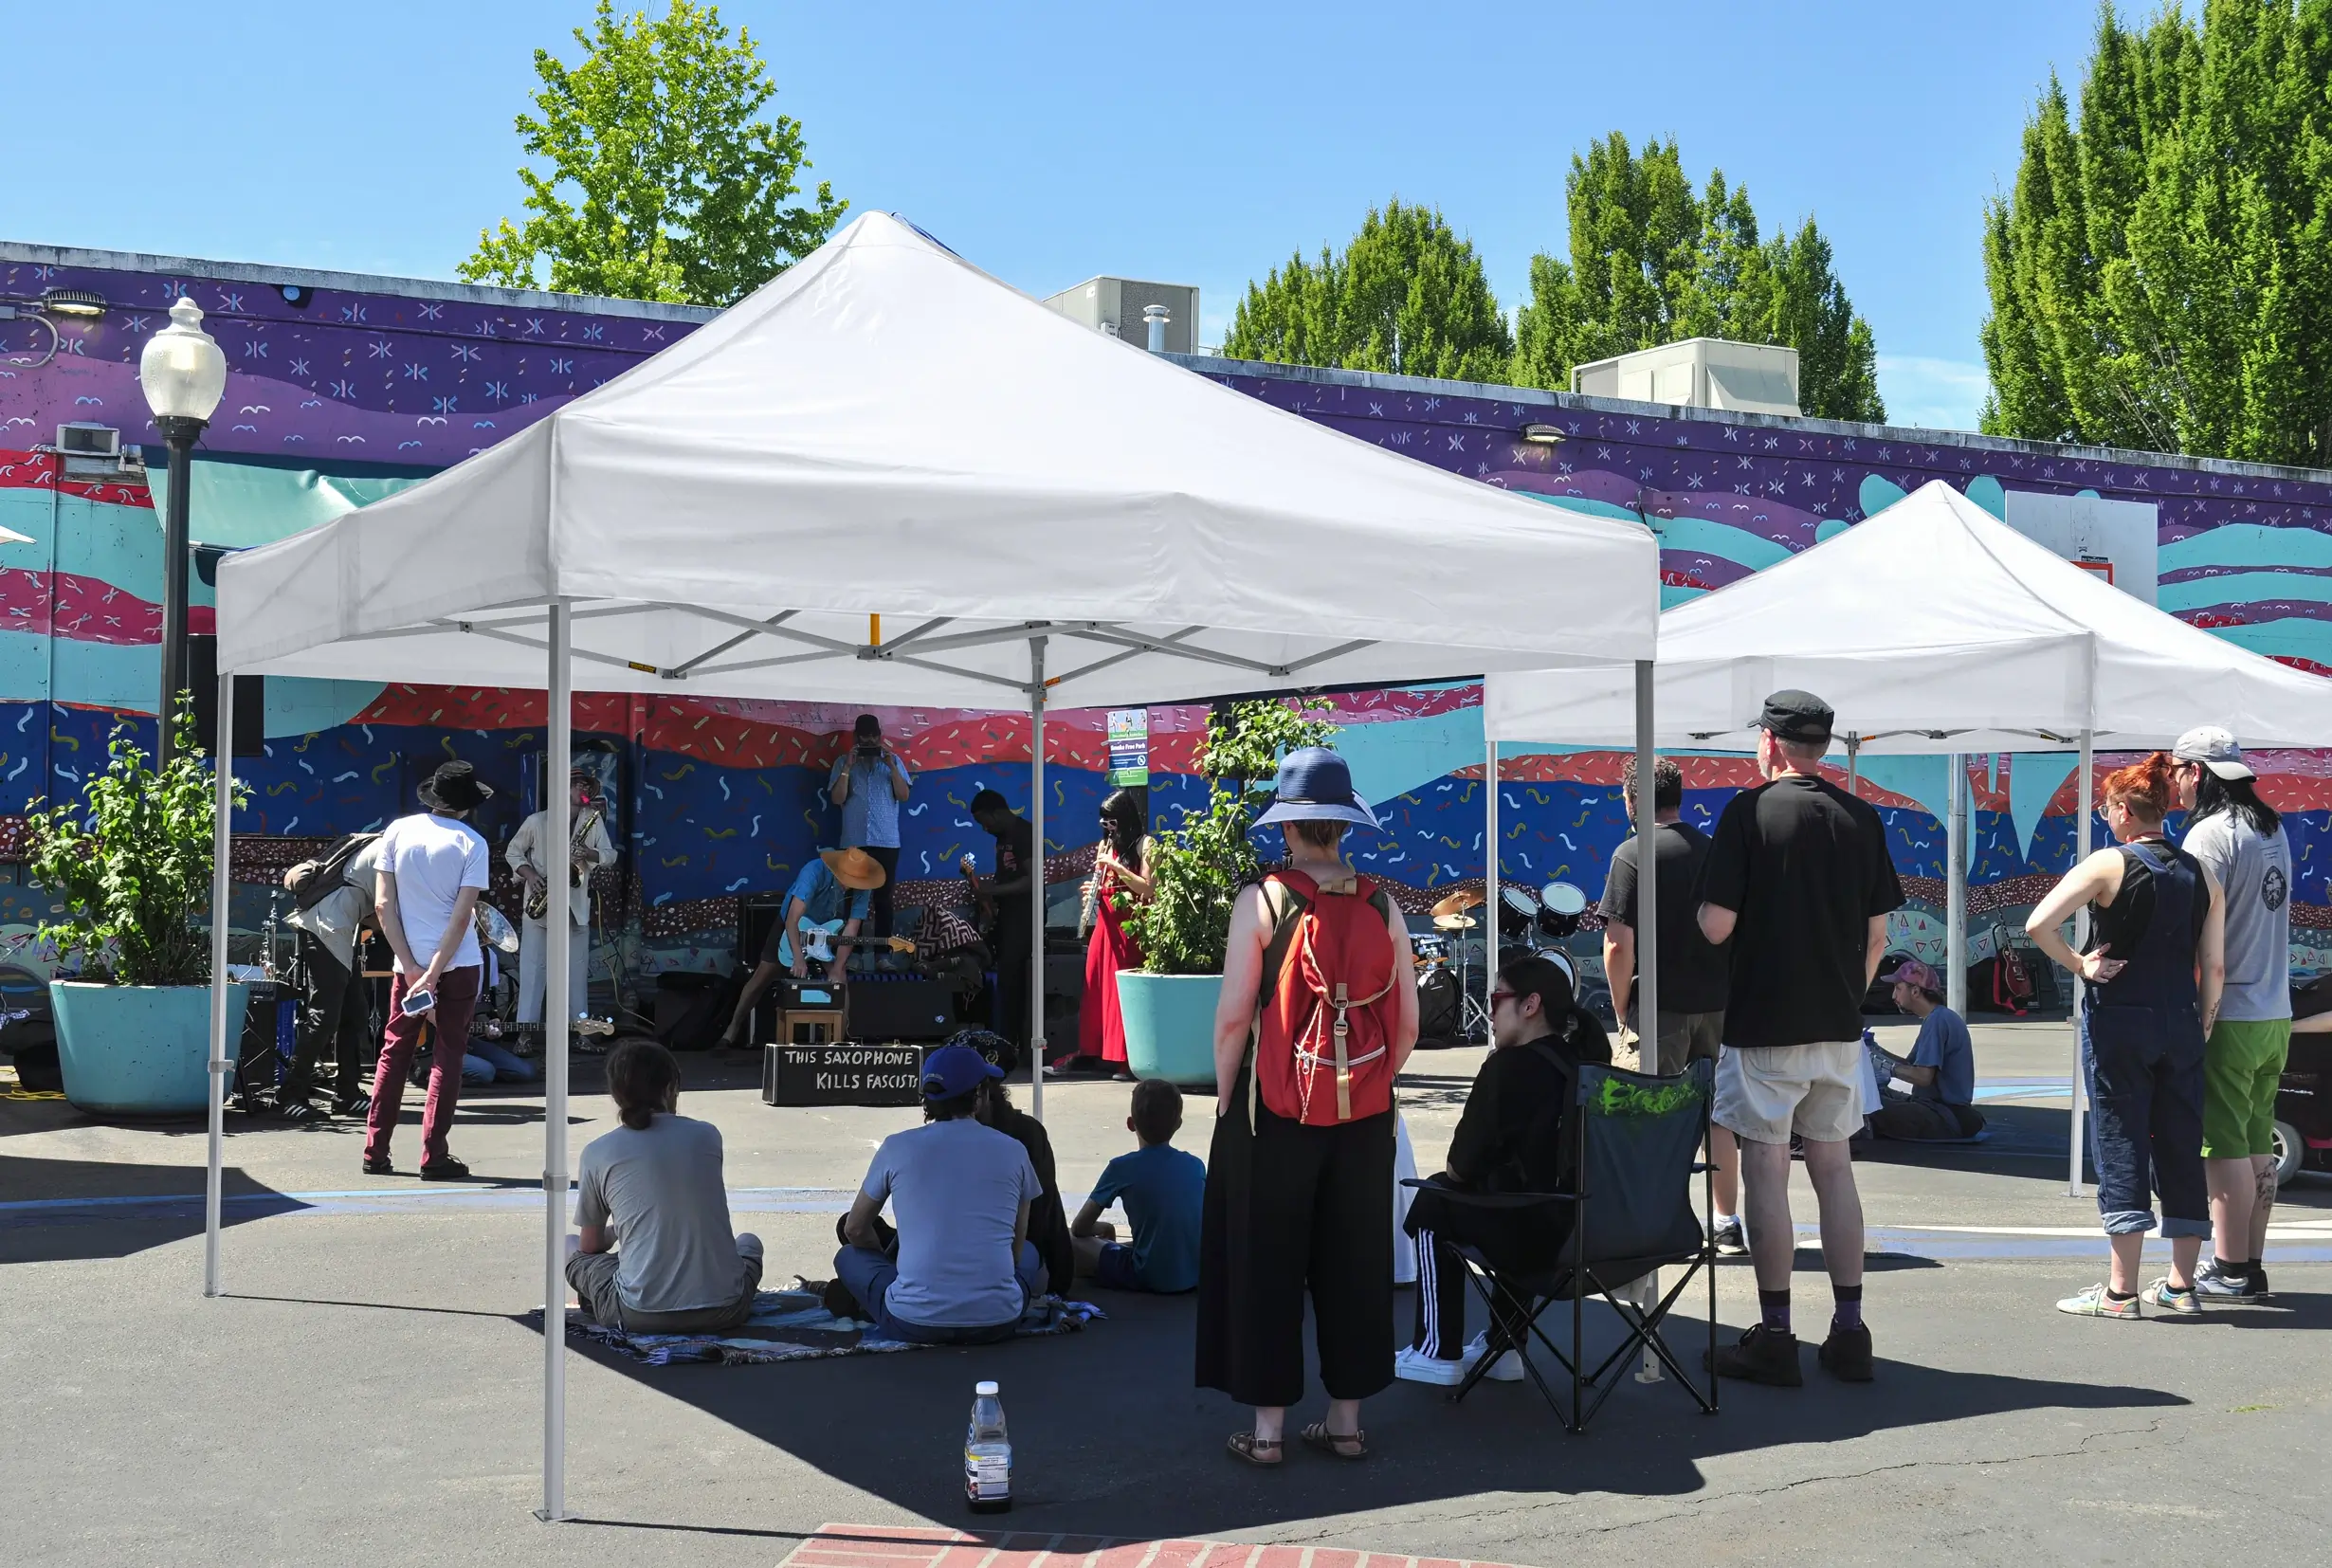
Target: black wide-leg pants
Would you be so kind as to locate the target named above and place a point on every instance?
(1291, 1209)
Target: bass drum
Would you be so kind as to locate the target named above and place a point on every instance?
(1437, 1010)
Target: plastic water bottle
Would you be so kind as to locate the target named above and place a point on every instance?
(987, 1454)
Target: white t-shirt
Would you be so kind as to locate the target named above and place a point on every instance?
(433, 858)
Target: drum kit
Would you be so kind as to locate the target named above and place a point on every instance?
(1527, 922)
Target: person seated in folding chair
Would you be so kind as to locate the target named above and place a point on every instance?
(828, 902)
(1508, 1140)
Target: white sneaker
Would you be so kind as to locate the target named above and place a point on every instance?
(1414, 1366)
(1506, 1369)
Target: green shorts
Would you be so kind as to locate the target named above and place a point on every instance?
(2241, 1065)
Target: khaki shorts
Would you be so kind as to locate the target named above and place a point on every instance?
(1767, 1092)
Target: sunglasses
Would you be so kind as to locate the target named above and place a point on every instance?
(1498, 996)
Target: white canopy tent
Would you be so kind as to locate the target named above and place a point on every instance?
(1930, 628)
(886, 432)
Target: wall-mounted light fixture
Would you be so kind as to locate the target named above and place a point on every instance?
(1544, 436)
(73, 302)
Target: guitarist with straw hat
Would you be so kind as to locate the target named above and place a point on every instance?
(825, 907)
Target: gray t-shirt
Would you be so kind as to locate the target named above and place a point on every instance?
(336, 918)
(955, 1189)
(2254, 875)
(660, 1188)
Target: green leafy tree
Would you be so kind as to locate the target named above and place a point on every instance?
(1406, 296)
(131, 864)
(665, 180)
(1197, 867)
(1651, 262)
(2160, 275)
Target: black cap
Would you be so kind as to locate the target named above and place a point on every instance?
(1796, 716)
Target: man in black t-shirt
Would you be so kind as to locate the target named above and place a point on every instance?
(1012, 888)
(1509, 1139)
(1799, 878)
(1692, 969)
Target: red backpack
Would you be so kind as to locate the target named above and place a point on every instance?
(1324, 1012)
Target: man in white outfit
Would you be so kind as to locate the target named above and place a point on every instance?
(544, 868)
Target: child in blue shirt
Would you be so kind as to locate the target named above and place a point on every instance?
(1163, 1190)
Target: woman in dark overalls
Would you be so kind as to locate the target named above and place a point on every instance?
(2153, 969)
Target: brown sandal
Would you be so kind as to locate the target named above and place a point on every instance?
(1249, 1448)
(1352, 1445)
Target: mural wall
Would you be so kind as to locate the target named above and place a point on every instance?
(344, 388)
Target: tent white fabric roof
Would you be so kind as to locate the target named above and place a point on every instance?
(886, 430)
(1930, 628)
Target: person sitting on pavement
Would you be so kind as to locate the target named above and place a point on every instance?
(656, 1254)
(1509, 1139)
(959, 1270)
(837, 886)
(1941, 1067)
(1164, 1192)
(1048, 1227)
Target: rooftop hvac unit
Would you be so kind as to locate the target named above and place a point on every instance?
(89, 451)
(1114, 305)
(1699, 372)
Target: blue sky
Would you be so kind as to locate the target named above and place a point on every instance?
(1196, 143)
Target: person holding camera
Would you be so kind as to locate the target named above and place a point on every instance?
(871, 783)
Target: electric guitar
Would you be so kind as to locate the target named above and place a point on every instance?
(821, 943)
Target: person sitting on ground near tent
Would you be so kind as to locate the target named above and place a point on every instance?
(1509, 1139)
(835, 887)
(959, 1268)
(1941, 1067)
(1164, 1192)
(656, 1254)
(1048, 1227)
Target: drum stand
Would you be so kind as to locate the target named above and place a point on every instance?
(1473, 1011)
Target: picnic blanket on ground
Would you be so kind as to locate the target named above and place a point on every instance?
(793, 1326)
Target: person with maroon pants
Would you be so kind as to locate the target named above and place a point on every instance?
(433, 866)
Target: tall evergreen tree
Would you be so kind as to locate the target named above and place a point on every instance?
(1406, 296)
(2161, 274)
(1651, 262)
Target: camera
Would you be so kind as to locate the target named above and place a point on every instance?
(868, 750)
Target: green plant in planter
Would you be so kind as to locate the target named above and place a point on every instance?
(1197, 867)
(131, 864)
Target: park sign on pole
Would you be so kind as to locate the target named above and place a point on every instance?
(1129, 748)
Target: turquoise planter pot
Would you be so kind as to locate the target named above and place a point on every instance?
(139, 1050)
(1168, 1025)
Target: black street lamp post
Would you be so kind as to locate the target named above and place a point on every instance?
(184, 375)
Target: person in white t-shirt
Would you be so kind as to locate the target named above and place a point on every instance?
(433, 867)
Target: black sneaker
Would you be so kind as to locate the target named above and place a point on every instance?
(379, 1165)
(355, 1105)
(1846, 1355)
(2259, 1283)
(447, 1168)
(1762, 1357)
(2215, 1280)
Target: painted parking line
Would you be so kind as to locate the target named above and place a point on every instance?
(890, 1546)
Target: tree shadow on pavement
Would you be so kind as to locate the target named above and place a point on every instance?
(54, 1210)
(1110, 1438)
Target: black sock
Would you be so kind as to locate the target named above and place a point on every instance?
(2256, 1268)
(2232, 1268)
(2113, 1295)
(1774, 1311)
(1848, 1313)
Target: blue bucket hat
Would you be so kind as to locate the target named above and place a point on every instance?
(952, 1071)
(1314, 785)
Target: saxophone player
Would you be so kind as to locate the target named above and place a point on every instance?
(539, 864)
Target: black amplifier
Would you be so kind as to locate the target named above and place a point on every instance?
(842, 1074)
(898, 1007)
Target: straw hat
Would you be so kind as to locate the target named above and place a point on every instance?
(854, 868)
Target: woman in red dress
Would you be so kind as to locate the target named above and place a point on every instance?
(1119, 881)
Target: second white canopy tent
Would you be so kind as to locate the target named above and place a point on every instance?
(1931, 627)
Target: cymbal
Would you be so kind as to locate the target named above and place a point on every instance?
(1458, 902)
(1457, 922)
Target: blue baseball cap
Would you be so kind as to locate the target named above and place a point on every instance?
(1314, 785)
(952, 1071)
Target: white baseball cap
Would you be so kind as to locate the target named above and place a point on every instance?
(2216, 749)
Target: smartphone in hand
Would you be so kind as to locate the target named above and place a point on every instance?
(418, 1002)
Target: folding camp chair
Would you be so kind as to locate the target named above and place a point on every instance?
(1636, 1142)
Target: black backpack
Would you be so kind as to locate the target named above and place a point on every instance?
(327, 876)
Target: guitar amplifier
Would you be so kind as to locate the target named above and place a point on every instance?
(757, 915)
(898, 1007)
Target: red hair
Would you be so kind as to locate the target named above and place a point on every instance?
(2146, 787)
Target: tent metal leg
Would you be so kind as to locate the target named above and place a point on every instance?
(1647, 923)
(1955, 883)
(1036, 875)
(557, 954)
(1489, 885)
(221, 838)
(2084, 831)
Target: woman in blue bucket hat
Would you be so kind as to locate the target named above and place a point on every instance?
(1318, 1012)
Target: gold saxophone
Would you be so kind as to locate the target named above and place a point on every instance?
(539, 900)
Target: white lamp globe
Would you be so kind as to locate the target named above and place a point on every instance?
(183, 371)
